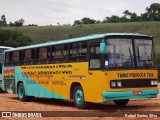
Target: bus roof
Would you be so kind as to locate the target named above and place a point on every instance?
(5, 47)
(90, 37)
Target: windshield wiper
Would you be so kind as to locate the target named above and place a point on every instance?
(145, 64)
(130, 55)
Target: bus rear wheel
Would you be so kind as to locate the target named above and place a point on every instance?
(78, 97)
(22, 95)
(121, 103)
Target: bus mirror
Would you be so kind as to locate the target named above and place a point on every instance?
(103, 47)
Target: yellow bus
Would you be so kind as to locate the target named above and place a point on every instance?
(96, 68)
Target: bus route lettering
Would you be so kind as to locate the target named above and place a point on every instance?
(134, 75)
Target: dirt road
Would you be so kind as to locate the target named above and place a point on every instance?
(10, 102)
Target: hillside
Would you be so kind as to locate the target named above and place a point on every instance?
(40, 34)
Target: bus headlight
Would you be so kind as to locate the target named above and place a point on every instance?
(113, 84)
(119, 84)
(154, 82)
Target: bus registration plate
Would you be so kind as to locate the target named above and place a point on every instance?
(137, 92)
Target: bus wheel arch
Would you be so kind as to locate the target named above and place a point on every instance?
(74, 84)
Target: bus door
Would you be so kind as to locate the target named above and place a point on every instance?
(94, 71)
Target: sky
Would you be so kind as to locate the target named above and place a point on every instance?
(51, 12)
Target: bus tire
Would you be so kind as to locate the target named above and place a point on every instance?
(121, 103)
(78, 97)
(21, 93)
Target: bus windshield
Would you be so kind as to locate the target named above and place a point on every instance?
(144, 52)
(119, 53)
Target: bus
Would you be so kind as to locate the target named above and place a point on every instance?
(97, 68)
(2, 48)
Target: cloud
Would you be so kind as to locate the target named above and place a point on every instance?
(45, 12)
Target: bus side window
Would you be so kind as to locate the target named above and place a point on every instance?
(28, 56)
(65, 52)
(42, 55)
(7, 58)
(94, 57)
(15, 58)
(53, 52)
(73, 52)
(21, 58)
(59, 53)
(49, 55)
(82, 51)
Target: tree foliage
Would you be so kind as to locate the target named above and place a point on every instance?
(152, 13)
(85, 20)
(3, 21)
(13, 39)
(19, 22)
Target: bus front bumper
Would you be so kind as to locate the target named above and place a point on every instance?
(109, 96)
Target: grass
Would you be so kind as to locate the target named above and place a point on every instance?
(40, 34)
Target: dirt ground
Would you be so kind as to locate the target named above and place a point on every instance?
(66, 110)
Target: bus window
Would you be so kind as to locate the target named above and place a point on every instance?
(59, 53)
(27, 55)
(53, 52)
(78, 51)
(43, 53)
(119, 53)
(82, 51)
(7, 57)
(144, 52)
(15, 57)
(95, 57)
(65, 51)
(73, 50)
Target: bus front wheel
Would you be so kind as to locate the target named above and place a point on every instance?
(78, 97)
(121, 103)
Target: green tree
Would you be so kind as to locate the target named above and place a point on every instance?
(11, 24)
(19, 22)
(77, 22)
(126, 13)
(3, 21)
(112, 19)
(153, 12)
(86, 20)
